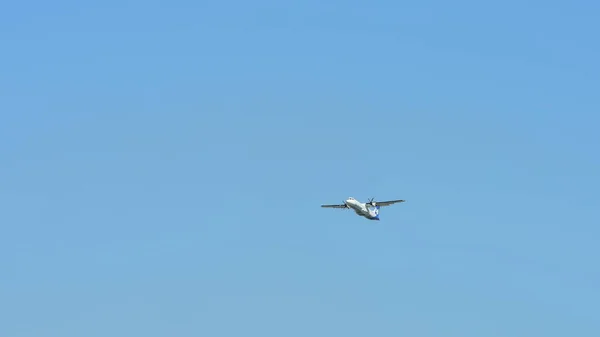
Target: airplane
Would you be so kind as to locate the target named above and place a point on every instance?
(369, 210)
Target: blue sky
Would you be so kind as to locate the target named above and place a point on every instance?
(163, 166)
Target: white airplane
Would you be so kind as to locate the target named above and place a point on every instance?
(369, 210)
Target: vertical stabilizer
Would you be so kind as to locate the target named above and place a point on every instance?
(376, 211)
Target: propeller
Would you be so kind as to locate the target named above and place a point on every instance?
(371, 202)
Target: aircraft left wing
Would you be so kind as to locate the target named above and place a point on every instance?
(335, 206)
(387, 203)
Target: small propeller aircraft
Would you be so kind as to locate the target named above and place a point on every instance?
(369, 210)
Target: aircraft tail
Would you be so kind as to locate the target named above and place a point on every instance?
(376, 211)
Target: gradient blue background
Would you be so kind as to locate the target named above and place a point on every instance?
(163, 163)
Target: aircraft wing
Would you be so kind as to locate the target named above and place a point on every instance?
(335, 206)
(387, 203)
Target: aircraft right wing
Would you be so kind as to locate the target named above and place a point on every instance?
(335, 206)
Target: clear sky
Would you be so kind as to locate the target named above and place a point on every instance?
(163, 163)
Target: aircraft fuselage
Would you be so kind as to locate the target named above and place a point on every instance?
(363, 209)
